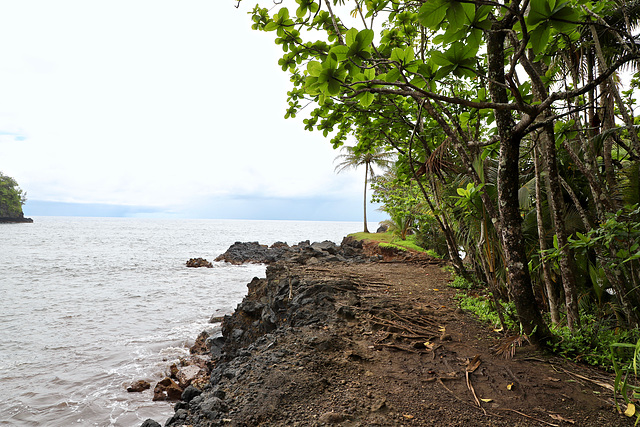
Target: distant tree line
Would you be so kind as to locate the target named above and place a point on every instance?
(11, 197)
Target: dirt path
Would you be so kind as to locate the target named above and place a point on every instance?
(384, 344)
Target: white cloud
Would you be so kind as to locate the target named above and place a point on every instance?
(151, 103)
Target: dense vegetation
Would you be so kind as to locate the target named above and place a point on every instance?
(514, 129)
(516, 138)
(11, 197)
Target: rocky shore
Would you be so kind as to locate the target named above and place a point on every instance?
(353, 335)
(15, 220)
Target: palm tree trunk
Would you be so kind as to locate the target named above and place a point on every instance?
(366, 176)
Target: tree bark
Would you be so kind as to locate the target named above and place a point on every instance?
(546, 273)
(366, 182)
(508, 206)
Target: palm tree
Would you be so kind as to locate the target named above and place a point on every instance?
(353, 158)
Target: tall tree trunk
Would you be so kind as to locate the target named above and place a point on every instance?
(546, 273)
(555, 197)
(366, 182)
(556, 205)
(508, 206)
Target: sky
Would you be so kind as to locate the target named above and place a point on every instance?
(160, 109)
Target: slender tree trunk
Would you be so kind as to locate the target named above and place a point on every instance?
(546, 273)
(556, 204)
(366, 182)
(555, 198)
(508, 206)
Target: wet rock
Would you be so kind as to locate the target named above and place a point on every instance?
(173, 371)
(216, 319)
(200, 346)
(167, 389)
(250, 252)
(190, 393)
(187, 374)
(199, 262)
(138, 386)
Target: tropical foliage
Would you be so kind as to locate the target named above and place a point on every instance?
(514, 132)
(11, 197)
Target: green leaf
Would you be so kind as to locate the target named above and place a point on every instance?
(563, 18)
(539, 12)
(314, 68)
(350, 36)
(365, 37)
(539, 38)
(458, 14)
(369, 73)
(432, 13)
(366, 98)
(340, 52)
(393, 76)
(440, 59)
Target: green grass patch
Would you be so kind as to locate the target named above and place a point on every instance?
(484, 309)
(390, 240)
(460, 282)
(391, 245)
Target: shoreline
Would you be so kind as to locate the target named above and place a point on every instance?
(11, 220)
(371, 337)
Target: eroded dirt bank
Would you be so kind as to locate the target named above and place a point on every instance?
(380, 343)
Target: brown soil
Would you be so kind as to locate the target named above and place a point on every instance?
(404, 306)
(399, 352)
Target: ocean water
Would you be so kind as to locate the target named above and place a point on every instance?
(89, 305)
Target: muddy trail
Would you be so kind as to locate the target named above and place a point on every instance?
(381, 343)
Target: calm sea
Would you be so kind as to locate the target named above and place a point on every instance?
(88, 305)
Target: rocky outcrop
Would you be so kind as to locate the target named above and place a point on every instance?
(350, 250)
(199, 262)
(15, 219)
(139, 386)
(285, 326)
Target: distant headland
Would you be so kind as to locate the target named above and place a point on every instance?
(11, 200)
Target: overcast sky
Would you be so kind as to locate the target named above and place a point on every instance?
(157, 108)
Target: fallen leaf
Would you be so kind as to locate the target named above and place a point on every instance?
(631, 410)
(509, 386)
(559, 417)
(487, 400)
(407, 416)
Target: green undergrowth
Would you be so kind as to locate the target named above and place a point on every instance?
(484, 308)
(390, 240)
(597, 342)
